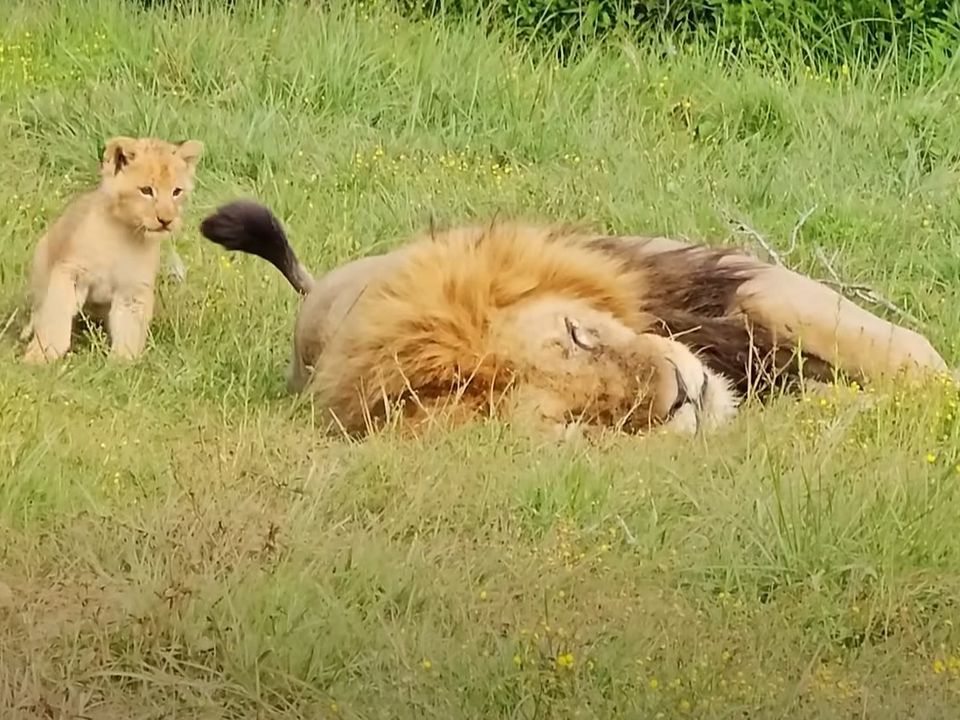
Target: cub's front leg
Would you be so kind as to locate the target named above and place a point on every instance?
(129, 322)
(52, 320)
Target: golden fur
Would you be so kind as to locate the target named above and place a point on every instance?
(102, 254)
(562, 328)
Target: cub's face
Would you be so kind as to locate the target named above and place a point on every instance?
(149, 181)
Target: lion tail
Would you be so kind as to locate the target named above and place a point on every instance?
(249, 227)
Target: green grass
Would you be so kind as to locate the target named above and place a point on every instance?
(177, 540)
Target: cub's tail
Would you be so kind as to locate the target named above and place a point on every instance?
(249, 227)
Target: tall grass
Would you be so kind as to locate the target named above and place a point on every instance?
(176, 540)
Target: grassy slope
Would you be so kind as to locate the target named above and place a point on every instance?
(174, 537)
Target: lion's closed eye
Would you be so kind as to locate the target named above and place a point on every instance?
(581, 337)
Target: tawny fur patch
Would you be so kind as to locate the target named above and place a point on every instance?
(102, 254)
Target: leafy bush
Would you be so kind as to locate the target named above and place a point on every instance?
(836, 30)
(830, 31)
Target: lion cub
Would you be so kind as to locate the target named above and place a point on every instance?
(102, 254)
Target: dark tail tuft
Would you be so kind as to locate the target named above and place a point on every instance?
(249, 227)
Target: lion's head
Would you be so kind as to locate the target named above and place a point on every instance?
(148, 180)
(575, 364)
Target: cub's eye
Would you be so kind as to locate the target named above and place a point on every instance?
(582, 338)
(177, 191)
(146, 191)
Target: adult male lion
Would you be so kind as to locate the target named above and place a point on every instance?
(561, 328)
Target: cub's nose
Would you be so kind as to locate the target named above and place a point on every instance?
(164, 223)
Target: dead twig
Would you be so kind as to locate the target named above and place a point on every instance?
(775, 256)
(863, 292)
(631, 540)
(856, 290)
(744, 229)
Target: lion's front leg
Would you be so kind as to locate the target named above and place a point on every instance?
(129, 322)
(52, 320)
(831, 327)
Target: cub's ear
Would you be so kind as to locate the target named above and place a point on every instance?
(190, 151)
(117, 153)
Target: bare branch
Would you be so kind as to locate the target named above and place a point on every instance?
(744, 229)
(776, 257)
(862, 292)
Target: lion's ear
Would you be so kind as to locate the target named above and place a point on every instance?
(190, 152)
(118, 152)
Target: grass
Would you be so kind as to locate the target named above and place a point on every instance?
(177, 541)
